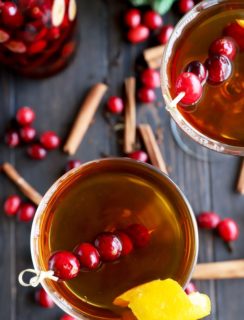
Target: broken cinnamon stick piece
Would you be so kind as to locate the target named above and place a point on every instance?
(130, 115)
(240, 184)
(84, 117)
(152, 147)
(23, 185)
(153, 56)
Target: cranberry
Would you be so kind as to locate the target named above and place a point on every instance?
(152, 20)
(198, 69)
(235, 31)
(228, 230)
(11, 15)
(138, 34)
(208, 220)
(190, 288)
(132, 18)
(37, 152)
(127, 245)
(189, 83)
(54, 33)
(12, 138)
(4, 36)
(146, 95)
(108, 246)
(64, 264)
(50, 140)
(25, 116)
(150, 78)
(139, 235)
(26, 212)
(185, 5)
(43, 299)
(37, 47)
(67, 317)
(72, 164)
(11, 205)
(219, 68)
(115, 105)
(27, 134)
(36, 12)
(16, 46)
(88, 256)
(223, 46)
(139, 155)
(165, 33)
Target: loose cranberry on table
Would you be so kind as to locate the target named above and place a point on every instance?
(219, 69)
(12, 205)
(26, 212)
(165, 33)
(198, 69)
(139, 235)
(235, 31)
(72, 164)
(150, 78)
(146, 95)
(188, 83)
(152, 20)
(12, 138)
(127, 244)
(208, 220)
(115, 104)
(138, 34)
(50, 140)
(36, 152)
(228, 230)
(223, 46)
(67, 317)
(43, 299)
(25, 116)
(108, 245)
(185, 5)
(27, 134)
(139, 155)
(11, 15)
(190, 288)
(88, 256)
(65, 265)
(132, 18)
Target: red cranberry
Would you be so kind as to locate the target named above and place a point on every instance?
(150, 78)
(228, 230)
(50, 140)
(185, 5)
(26, 212)
(11, 15)
(27, 134)
(25, 116)
(12, 138)
(54, 33)
(16, 46)
(43, 299)
(146, 95)
(67, 317)
(132, 18)
(36, 12)
(115, 105)
(219, 69)
(4, 36)
(235, 31)
(11, 205)
(139, 235)
(139, 155)
(165, 33)
(223, 46)
(190, 288)
(88, 256)
(198, 69)
(37, 152)
(189, 83)
(127, 245)
(138, 34)
(152, 20)
(37, 47)
(208, 220)
(72, 164)
(108, 246)
(64, 264)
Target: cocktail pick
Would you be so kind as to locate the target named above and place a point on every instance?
(37, 279)
(174, 102)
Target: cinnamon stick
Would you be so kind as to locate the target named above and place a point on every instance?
(152, 147)
(153, 56)
(240, 184)
(130, 115)
(84, 117)
(23, 185)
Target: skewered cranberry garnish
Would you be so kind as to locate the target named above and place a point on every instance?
(219, 68)
(37, 152)
(12, 138)
(139, 235)
(50, 140)
(108, 246)
(115, 104)
(190, 84)
(64, 264)
(139, 155)
(198, 69)
(11, 16)
(43, 299)
(146, 95)
(88, 256)
(72, 164)
(132, 18)
(165, 33)
(223, 46)
(150, 78)
(235, 31)
(185, 5)
(228, 230)
(67, 317)
(208, 220)
(27, 134)
(26, 212)
(152, 20)
(190, 288)
(11, 205)
(127, 245)
(138, 34)
(25, 116)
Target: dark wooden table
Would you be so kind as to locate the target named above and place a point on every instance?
(103, 55)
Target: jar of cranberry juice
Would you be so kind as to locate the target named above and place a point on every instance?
(37, 36)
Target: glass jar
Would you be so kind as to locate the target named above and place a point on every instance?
(37, 36)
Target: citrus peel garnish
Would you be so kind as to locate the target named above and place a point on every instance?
(164, 300)
(240, 22)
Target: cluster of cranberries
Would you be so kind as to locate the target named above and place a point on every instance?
(13, 206)
(150, 80)
(107, 247)
(26, 134)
